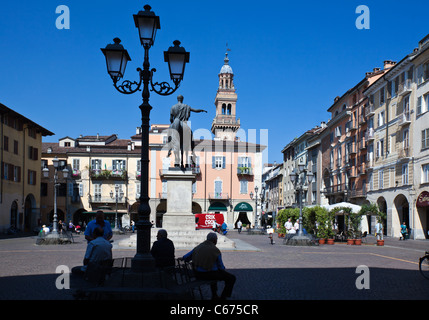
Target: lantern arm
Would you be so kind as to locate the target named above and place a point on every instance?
(127, 86)
(163, 88)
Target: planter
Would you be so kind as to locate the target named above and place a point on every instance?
(281, 235)
(350, 241)
(358, 242)
(380, 242)
(322, 241)
(330, 241)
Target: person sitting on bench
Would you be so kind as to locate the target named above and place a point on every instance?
(208, 265)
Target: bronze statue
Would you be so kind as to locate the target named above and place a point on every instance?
(180, 138)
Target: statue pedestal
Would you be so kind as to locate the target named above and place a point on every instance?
(179, 200)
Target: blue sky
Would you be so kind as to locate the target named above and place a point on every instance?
(290, 60)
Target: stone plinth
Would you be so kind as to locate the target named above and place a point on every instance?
(179, 221)
(179, 200)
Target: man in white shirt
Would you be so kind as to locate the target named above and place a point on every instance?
(98, 250)
(288, 225)
(379, 230)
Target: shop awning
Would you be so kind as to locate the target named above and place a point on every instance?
(217, 206)
(243, 206)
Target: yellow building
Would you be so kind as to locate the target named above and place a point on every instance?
(20, 153)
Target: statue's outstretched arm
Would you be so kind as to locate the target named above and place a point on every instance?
(198, 110)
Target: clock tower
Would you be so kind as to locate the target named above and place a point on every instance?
(225, 124)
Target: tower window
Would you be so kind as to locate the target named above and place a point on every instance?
(229, 109)
(224, 108)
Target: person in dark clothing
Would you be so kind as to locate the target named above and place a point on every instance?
(208, 265)
(163, 250)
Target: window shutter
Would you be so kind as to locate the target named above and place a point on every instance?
(213, 162)
(223, 162)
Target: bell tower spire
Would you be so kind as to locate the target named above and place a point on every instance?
(225, 124)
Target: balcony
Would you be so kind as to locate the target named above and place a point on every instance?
(404, 119)
(245, 171)
(218, 195)
(337, 188)
(370, 134)
(404, 88)
(369, 163)
(369, 110)
(352, 148)
(361, 193)
(404, 153)
(352, 172)
(361, 169)
(362, 119)
(362, 144)
(98, 174)
(97, 198)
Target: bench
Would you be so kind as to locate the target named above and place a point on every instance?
(176, 282)
(187, 281)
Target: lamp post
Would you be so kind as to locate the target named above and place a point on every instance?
(118, 195)
(301, 178)
(116, 60)
(65, 171)
(261, 195)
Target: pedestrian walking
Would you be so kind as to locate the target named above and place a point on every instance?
(379, 230)
(404, 231)
(239, 226)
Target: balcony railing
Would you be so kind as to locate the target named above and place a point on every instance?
(404, 119)
(362, 143)
(99, 174)
(98, 198)
(369, 134)
(245, 170)
(337, 188)
(218, 195)
(404, 87)
(358, 193)
(369, 110)
(404, 153)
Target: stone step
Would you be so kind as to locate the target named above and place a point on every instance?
(182, 239)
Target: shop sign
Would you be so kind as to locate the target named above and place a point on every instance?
(423, 200)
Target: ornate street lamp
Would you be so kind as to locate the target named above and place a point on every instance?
(118, 195)
(45, 172)
(117, 57)
(261, 197)
(301, 179)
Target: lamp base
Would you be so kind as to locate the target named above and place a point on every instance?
(299, 240)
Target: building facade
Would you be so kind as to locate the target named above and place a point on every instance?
(21, 145)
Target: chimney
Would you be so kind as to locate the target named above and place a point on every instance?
(323, 124)
(378, 69)
(389, 64)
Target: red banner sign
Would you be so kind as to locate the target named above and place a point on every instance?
(423, 199)
(205, 220)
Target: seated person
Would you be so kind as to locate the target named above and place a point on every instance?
(207, 261)
(98, 251)
(163, 250)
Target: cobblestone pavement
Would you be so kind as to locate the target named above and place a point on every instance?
(263, 271)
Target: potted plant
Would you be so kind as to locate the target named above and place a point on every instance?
(322, 234)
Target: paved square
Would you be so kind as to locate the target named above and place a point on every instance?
(263, 271)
